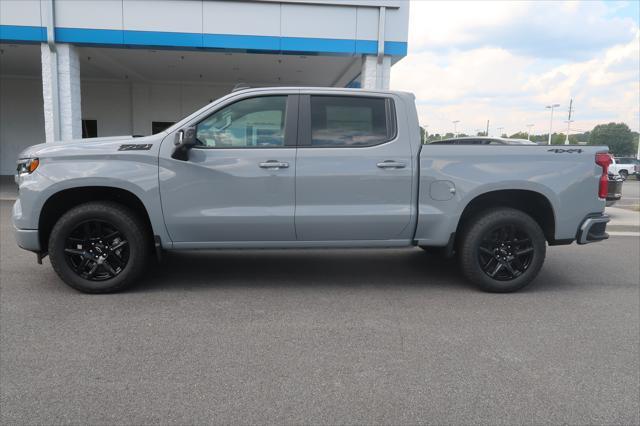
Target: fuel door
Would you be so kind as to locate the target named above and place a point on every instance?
(442, 190)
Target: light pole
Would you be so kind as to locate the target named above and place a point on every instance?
(499, 129)
(455, 127)
(529, 126)
(425, 127)
(551, 107)
(569, 120)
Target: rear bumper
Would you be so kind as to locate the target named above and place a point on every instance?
(593, 229)
(614, 192)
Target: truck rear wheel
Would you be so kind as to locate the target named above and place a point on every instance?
(98, 247)
(502, 250)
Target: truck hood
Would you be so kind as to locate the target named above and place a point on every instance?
(90, 145)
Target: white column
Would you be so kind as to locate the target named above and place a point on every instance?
(61, 92)
(375, 75)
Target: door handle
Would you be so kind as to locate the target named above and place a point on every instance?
(273, 164)
(390, 164)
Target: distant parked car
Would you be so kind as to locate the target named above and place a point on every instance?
(614, 189)
(482, 140)
(625, 166)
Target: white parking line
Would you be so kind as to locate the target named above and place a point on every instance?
(624, 234)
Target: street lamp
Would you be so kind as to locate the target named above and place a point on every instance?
(551, 107)
(529, 126)
(455, 127)
(499, 129)
(425, 127)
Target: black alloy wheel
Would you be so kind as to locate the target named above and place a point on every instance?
(96, 250)
(501, 249)
(99, 247)
(505, 252)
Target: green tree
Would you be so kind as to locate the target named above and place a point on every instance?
(519, 135)
(433, 137)
(539, 138)
(617, 136)
(558, 138)
(636, 141)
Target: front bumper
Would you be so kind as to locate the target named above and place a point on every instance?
(593, 229)
(27, 239)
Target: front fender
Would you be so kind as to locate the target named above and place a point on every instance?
(140, 178)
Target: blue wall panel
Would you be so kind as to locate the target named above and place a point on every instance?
(228, 41)
(22, 33)
(197, 40)
(83, 35)
(157, 38)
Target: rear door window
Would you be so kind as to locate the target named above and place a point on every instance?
(351, 121)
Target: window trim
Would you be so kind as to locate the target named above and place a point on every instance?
(304, 124)
(290, 122)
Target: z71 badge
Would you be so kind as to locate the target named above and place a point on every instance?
(568, 151)
(135, 147)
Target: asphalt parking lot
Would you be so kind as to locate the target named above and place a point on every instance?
(630, 194)
(323, 337)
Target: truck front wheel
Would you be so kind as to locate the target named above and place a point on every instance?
(502, 250)
(98, 247)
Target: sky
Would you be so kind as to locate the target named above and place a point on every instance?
(505, 61)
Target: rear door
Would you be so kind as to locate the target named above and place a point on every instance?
(353, 169)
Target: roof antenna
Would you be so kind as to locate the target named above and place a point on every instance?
(240, 86)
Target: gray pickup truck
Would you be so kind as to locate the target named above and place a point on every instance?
(302, 168)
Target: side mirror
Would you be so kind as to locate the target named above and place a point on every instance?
(185, 140)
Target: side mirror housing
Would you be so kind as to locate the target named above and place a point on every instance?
(185, 140)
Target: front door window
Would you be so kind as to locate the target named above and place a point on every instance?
(249, 123)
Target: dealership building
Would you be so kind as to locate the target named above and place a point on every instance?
(90, 68)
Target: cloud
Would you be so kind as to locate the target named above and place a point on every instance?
(543, 29)
(476, 77)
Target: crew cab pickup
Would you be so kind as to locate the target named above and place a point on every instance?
(624, 166)
(303, 168)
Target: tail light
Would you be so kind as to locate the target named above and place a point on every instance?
(603, 160)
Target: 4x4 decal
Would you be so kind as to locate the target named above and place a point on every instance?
(568, 151)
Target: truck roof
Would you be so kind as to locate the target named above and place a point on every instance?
(321, 89)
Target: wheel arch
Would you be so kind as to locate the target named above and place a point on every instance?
(533, 203)
(64, 200)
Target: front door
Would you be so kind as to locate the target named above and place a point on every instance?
(238, 184)
(354, 170)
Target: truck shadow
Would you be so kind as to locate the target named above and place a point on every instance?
(300, 268)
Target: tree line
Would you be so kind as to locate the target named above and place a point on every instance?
(617, 136)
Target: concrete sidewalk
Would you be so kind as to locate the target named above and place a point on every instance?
(623, 219)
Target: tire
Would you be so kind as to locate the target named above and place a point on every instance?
(87, 233)
(624, 174)
(502, 236)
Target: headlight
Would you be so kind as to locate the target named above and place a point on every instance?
(27, 165)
